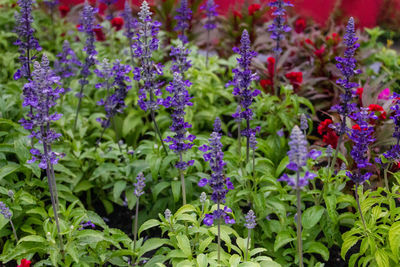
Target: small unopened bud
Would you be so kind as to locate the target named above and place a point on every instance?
(167, 214)
(11, 194)
(203, 198)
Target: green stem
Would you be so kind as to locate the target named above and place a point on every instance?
(13, 229)
(248, 142)
(359, 208)
(299, 240)
(219, 237)
(385, 171)
(239, 145)
(135, 229)
(79, 105)
(182, 181)
(335, 156)
(247, 245)
(158, 131)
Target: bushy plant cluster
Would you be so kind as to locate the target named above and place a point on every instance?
(135, 138)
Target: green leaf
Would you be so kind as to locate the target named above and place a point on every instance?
(184, 209)
(394, 239)
(282, 166)
(83, 185)
(151, 244)
(282, 239)
(312, 216)
(348, 243)
(176, 190)
(382, 258)
(234, 260)
(89, 236)
(119, 187)
(10, 168)
(32, 238)
(184, 245)
(202, 260)
(147, 225)
(205, 243)
(317, 247)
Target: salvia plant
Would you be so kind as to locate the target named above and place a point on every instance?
(210, 9)
(183, 17)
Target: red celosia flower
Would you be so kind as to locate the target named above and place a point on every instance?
(99, 34)
(270, 74)
(295, 78)
(320, 52)
(359, 92)
(264, 83)
(323, 127)
(102, 8)
(308, 41)
(378, 108)
(271, 66)
(335, 38)
(253, 8)
(64, 10)
(300, 25)
(237, 14)
(117, 23)
(331, 138)
(25, 263)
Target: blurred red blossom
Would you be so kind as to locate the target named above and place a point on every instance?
(99, 34)
(300, 25)
(320, 52)
(64, 10)
(237, 14)
(253, 8)
(385, 94)
(379, 109)
(328, 134)
(295, 78)
(25, 263)
(117, 23)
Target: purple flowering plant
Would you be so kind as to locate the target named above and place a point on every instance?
(183, 18)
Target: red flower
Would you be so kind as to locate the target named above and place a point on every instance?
(331, 138)
(269, 82)
(300, 25)
(378, 108)
(237, 14)
(320, 52)
(25, 263)
(323, 127)
(356, 127)
(295, 78)
(99, 34)
(117, 22)
(271, 66)
(254, 8)
(308, 41)
(359, 92)
(335, 38)
(264, 83)
(102, 8)
(64, 10)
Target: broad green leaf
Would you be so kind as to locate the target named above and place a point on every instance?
(282, 239)
(184, 245)
(311, 216)
(148, 224)
(33, 238)
(10, 168)
(205, 243)
(317, 247)
(348, 243)
(382, 258)
(202, 260)
(176, 190)
(394, 239)
(83, 185)
(119, 187)
(151, 244)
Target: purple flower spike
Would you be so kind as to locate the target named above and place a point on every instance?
(180, 142)
(183, 17)
(347, 66)
(26, 41)
(5, 211)
(210, 9)
(250, 220)
(242, 79)
(278, 28)
(362, 137)
(139, 185)
(130, 23)
(145, 43)
(40, 95)
(67, 62)
(219, 184)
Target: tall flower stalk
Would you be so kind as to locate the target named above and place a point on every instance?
(87, 25)
(139, 186)
(181, 141)
(362, 136)
(250, 224)
(183, 17)
(242, 80)
(115, 82)
(5, 211)
(278, 28)
(219, 184)
(347, 66)
(210, 9)
(298, 156)
(41, 96)
(145, 43)
(130, 26)
(26, 42)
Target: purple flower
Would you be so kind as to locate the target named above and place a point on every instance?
(180, 98)
(242, 79)
(183, 17)
(347, 66)
(83, 225)
(303, 122)
(26, 41)
(139, 185)
(5, 211)
(40, 95)
(219, 184)
(115, 101)
(210, 9)
(130, 23)
(278, 28)
(145, 43)
(298, 156)
(393, 154)
(250, 220)
(87, 25)
(67, 63)
(180, 61)
(362, 137)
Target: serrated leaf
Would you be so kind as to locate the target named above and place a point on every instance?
(382, 258)
(184, 245)
(348, 243)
